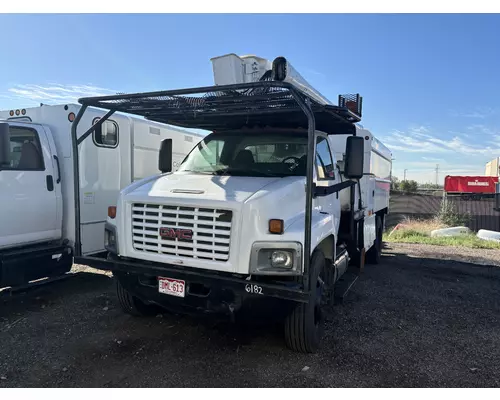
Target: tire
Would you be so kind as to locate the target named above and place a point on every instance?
(373, 255)
(304, 325)
(132, 305)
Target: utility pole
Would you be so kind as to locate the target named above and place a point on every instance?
(404, 174)
(437, 173)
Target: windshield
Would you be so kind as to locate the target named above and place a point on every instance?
(249, 154)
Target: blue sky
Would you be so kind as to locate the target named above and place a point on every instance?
(429, 83)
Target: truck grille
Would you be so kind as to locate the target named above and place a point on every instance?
(161, 228)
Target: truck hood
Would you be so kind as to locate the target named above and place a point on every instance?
(209, 187)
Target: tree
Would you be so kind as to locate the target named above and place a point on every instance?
(395, 183)
(408, 186)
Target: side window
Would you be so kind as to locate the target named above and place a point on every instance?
(210, 153)
(324, 162)
(25, 150)
(107, 134)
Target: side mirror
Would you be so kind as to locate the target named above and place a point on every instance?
(165, 156)
(354, 157)
(4, 144)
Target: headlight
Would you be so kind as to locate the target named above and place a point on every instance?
(281, 259)
(276, 258)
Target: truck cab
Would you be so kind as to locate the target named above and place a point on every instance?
(30, 182)
(223, 196)
(31, 203)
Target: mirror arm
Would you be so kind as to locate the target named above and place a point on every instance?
(319, 191)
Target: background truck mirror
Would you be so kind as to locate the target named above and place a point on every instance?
(354, 160)
(4, 145)
(165, 156)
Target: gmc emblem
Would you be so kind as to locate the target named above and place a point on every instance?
(176, 233)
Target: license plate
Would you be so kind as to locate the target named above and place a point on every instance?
(173, 287)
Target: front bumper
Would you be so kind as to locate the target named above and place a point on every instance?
(19, 266)
(240, 286)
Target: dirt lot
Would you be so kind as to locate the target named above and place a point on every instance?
(417, 319)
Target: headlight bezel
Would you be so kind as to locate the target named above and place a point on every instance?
(260, 258)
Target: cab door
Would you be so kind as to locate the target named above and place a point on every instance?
(325, 176)
(30, 193)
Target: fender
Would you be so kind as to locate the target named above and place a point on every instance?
(322, 225)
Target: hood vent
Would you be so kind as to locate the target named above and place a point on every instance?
(188, 191)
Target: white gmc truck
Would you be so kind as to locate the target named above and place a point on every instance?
(284, 199)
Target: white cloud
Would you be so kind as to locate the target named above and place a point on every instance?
(444, 165)
(419, 130)
(419, 149)
(431, 159)
(480, 129)
(478, 112)
(421, 141)
(55, 93)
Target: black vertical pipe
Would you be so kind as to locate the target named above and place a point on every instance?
(305, 105)
(76, 179)
(75, 141)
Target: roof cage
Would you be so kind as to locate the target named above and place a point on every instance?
(264, 103)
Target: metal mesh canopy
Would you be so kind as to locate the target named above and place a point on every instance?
(266, 103)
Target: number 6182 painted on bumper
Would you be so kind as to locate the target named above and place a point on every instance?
(256, 289)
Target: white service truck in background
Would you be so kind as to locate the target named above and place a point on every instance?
(37, 206)
(493, 167)
(282, 201)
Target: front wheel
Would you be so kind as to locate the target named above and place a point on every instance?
(304, 326)
(132, 305)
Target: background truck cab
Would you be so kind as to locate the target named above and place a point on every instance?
(37, 176)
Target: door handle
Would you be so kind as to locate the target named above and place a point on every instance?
(58, 169)
(50, 183)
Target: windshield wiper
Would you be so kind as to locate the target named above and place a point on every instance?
(245, 172)
(200, 172)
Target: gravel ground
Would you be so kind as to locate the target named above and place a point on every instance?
(415, 320)
(462, 254)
